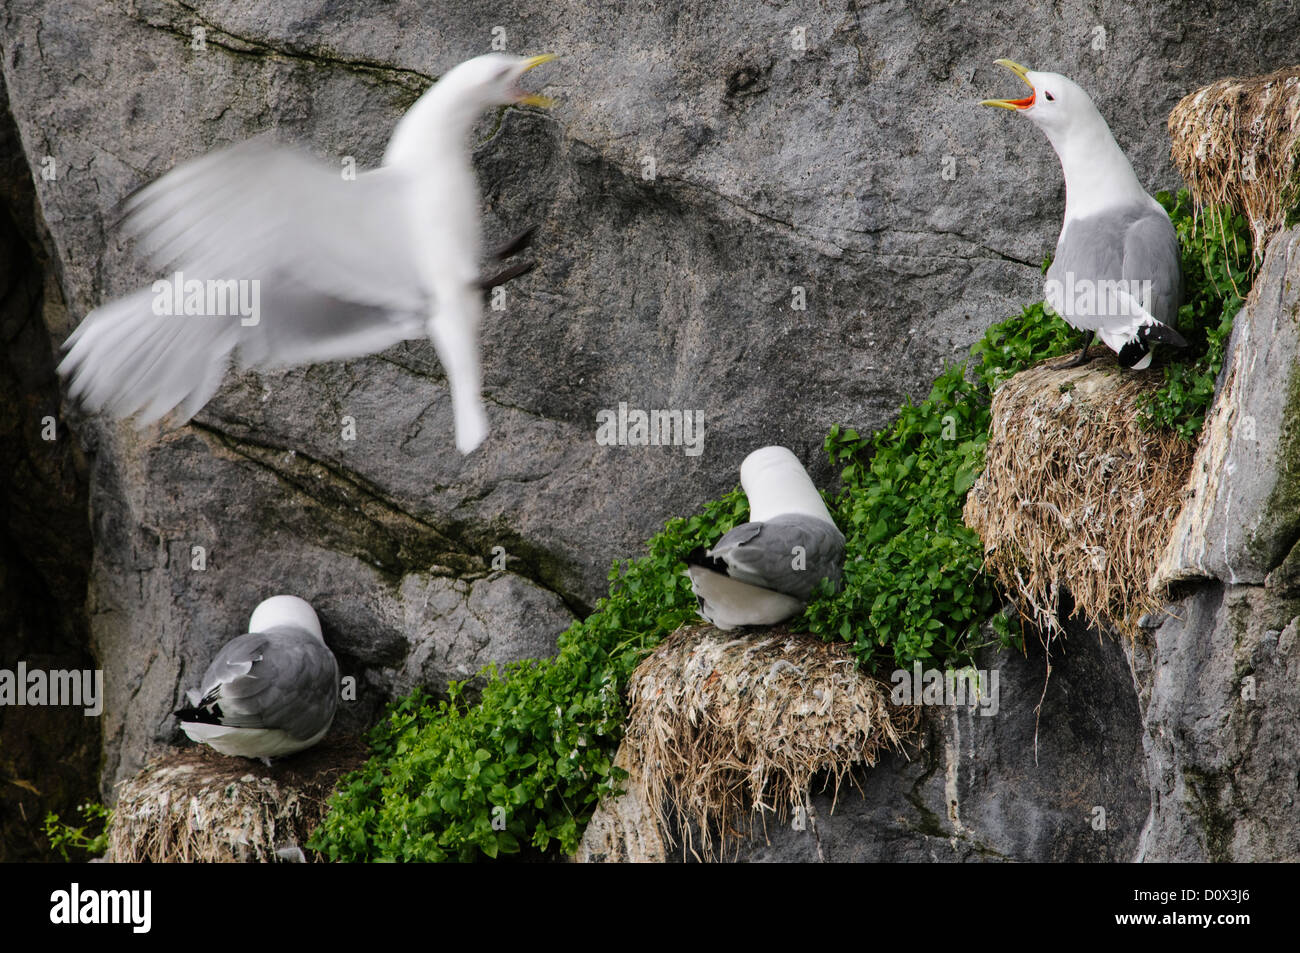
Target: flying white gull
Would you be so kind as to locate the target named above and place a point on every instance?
(764, 571)
(271, 692)
(278, 259)
(1115, 274)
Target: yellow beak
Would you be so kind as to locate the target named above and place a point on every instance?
(533, 99)
(1013, 103)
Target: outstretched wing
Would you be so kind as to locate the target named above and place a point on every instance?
(328, 262)
(259, 209)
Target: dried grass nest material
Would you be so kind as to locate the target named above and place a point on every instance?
(724, 729)
(1076, 495)
(1237, 141)
(194, 805)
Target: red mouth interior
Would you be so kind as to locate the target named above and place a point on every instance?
(1023, 103)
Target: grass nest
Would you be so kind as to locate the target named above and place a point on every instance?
(1237, 142)
(1076, 495)
(194, 805)
(725, 730)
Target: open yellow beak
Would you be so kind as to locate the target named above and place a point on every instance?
(1013, 103)
(533, 99)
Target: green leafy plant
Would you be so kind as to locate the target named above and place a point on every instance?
(1017, 343)
(913, 588)
(64, 837)
(521, 768)
(1218, 268)
(524, 767)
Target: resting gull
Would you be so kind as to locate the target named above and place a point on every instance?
(270, 692)
(765, 571)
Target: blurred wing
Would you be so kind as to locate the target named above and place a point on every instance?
(124, 359)
(258, 209)
(454, 332)
(328, 262)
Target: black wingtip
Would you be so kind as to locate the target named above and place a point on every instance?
(202, 716)
(1161, 334)
(699, 556)
(1132, 352)
(1147, 335)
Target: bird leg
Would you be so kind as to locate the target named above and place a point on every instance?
(505, 274)
(1083, 355)
(515, 245)
(512, 247)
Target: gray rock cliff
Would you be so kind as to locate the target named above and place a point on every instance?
(830, 147)
(1219, 679)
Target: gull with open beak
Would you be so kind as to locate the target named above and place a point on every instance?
(278, 259)
(1116, 270)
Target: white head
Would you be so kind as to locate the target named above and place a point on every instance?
(1056, 104)
(492, 80)
(776, 483)
(285, 610)
(440, 119)
(1097, 173)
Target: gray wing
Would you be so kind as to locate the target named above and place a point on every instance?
(1151, 248)
(333, 262)
(789, 554)
(283, 678)
(1132, 244)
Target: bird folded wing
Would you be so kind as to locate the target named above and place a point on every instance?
(288, 682)
(1102, 259)
(789, 554)
(1151, 252)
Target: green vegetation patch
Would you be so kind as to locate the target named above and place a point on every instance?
(913, 587)
(522, 769)
(1218, 268)
(90, 839)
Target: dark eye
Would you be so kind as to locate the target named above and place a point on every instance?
(1050, 97)
(503, 74)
